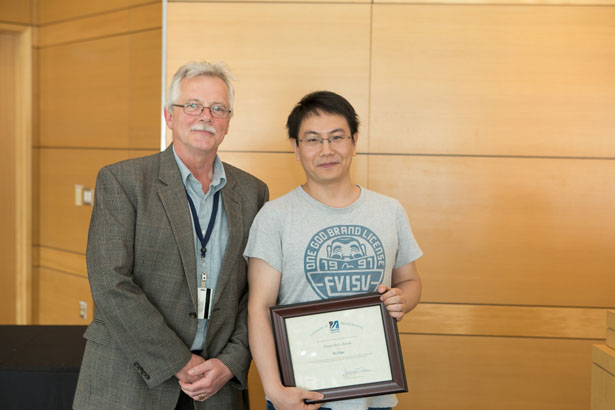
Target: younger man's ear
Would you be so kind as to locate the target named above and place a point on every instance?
(295, 147)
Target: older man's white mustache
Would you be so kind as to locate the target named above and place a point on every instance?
(203, 127)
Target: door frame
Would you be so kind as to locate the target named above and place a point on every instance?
(23, 170)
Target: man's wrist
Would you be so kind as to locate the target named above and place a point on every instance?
(274, 391)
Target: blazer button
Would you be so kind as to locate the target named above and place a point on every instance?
(192, 315)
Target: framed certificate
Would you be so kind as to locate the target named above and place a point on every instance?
(343, 348)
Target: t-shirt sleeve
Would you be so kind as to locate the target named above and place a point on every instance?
(265, 240)
(408, 250)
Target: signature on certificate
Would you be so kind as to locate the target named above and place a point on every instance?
(356, 372)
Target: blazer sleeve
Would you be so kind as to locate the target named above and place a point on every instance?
(135, 325)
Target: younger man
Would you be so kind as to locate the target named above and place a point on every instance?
(327, 238)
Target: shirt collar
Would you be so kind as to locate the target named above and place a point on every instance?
(217, 182)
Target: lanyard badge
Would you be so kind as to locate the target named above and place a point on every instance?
(205, 299)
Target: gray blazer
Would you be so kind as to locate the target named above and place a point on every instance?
(141, 267)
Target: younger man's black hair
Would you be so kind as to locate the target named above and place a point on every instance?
(321, 102)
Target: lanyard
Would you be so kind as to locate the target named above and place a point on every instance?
(205, 299)
(210, 226)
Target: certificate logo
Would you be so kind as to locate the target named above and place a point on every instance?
(344, 260)
(334, 326)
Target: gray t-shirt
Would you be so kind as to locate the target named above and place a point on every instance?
(324, 252)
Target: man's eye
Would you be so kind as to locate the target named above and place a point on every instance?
(311, 140)
(218, 108)
(192, 106)
(337, 138)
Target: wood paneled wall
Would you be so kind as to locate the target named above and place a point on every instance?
(18, 12)
(99, 79)
(493, 123)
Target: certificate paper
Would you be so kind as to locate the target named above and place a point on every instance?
(338, 348)
(343, 348)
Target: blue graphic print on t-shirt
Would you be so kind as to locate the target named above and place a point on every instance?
(344, 260)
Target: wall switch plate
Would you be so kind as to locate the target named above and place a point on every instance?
(78, 195)
(88, 196)
(83, 309)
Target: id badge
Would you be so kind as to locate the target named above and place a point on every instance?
(205, 301)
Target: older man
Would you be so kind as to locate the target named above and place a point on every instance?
(165, 267)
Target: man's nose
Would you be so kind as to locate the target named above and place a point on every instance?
(205, 115)
(325, 146)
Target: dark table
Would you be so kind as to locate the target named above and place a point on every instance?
(39, 366)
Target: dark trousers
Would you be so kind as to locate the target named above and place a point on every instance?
(185, 402)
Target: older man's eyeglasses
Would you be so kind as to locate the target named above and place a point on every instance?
(316, 142)
(216, 110)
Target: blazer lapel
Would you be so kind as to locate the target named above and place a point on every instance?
(234, 215)
(173, 197)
